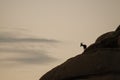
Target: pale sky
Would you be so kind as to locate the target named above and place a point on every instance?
(37, 35)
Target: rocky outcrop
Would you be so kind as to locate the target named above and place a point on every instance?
(100, 61)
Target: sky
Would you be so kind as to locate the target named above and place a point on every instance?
(37, 35)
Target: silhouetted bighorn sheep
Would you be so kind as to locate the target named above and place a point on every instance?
(83, 45)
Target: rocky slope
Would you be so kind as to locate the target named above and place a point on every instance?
(100, 61)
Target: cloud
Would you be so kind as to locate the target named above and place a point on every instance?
(13, 36)
(24, 53)
(28, 40)
(9, 38)
(27, 56)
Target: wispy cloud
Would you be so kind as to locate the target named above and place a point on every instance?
(26, 54)
(28, 40)
(15, 38)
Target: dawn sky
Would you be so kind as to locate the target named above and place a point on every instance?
(37, 35)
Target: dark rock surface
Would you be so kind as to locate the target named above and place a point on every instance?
(100, 61)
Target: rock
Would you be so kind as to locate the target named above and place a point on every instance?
(100, 61)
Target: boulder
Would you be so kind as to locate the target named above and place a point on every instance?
(100, 61)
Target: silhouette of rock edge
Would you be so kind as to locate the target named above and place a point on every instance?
(100, 61)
